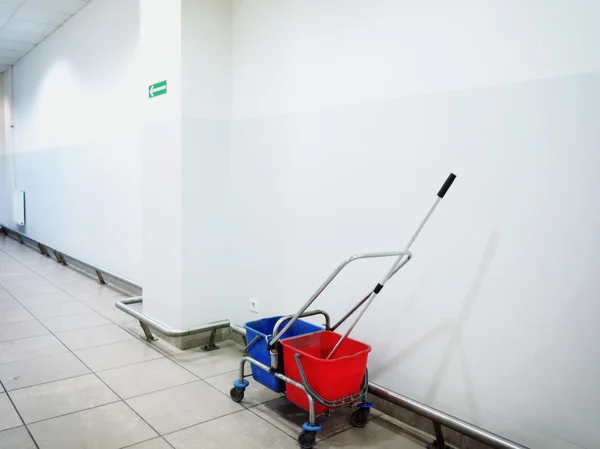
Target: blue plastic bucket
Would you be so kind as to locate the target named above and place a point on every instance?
(260, 350)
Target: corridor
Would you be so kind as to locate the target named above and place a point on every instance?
(75, 374)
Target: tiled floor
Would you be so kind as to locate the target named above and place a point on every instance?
(75, 374)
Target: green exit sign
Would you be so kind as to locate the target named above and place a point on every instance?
(157, 89)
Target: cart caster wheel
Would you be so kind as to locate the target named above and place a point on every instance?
(360, 417)
(237, 394)
(307, 439)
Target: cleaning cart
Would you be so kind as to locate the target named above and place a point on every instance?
(319, 369)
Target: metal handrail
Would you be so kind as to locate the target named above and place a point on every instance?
(46, 249)
(437, 416)
(449, 421)
(414, 406)
(123, 304)
(145, 321)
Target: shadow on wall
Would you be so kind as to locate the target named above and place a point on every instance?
(454, 328)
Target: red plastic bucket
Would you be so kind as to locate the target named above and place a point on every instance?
(332, 379)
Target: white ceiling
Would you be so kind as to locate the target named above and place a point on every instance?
(26, 23)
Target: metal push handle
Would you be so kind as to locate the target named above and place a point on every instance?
(396, 266)
(331, 277)
(447, 184)
(366, 298)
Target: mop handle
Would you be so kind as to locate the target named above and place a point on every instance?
(399, 263)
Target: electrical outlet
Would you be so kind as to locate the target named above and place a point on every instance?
(254, 305)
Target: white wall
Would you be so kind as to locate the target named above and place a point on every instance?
(185, 159)
(206, 108)
(5, 161)
(160, 26)
(348, 116)
(77, 128)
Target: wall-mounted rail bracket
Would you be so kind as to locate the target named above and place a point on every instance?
(60, 258)
(211, 346)
(439, 442)
(147, 332)
(100, 277)
(43, 250)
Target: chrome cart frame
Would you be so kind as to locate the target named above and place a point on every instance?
(307, 437)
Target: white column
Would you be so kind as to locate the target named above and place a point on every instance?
(161, 160)
(185, 145)
(208, 264)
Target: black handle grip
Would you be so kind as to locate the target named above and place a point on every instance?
(447, 184)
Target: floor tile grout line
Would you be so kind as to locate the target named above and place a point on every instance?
(141, 339)
(236, 371)
(175, 431)
(25, 301)
(73, 269)
(148, 440)
(159, 350)
(207, 383)
(14, 322)
(100, 371)
(78, 328)
(223, 416)
(52, 381)
(107, 386)
(295, 439)
(118, 293)
(169, 357)
(60, 332)
(62, 289)
(203, 422)
(23, 338)
(37, 357)
(114, 392)
(116, 401)
(174, 361)
(60, 304)
(160, 390)
(68, 350)
(265, 420)
(20, 417)
(119, 366)
(201, 378)
(248, 408)
(98, 346)
(224, 394)
(75, 299)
